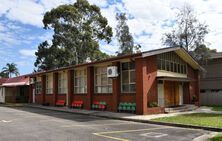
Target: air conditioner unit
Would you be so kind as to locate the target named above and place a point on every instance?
(112, 71)
(32, 80)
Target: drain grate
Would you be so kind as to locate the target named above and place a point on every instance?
(153, 135)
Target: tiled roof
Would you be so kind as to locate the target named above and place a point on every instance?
(16, 81)
(3, 80)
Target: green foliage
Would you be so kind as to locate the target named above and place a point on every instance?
(4, 75)
(218, 137)
(202, 54)
(124, 37)
(9, 70)
(77, 30)
(188, 33)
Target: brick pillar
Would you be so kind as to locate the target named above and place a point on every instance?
(90, 87)
(43, 78)
(116, 88)
(146, 71)
(70, 86)
(140, 97)
(55, 87)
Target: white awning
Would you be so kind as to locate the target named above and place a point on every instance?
(16, 84)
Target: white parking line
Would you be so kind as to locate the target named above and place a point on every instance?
(5, 121)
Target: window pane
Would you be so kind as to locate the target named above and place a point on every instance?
(110, 89)
(76, 82)
(178, 68)
(167, 66)
(159, 64)
(132, 88)
(163, 64)
(175, 67)
(132, 65)
(181, 68)
(125, 77)
(98, 80)
(125, 66)
(104, 79)
(110, 81)
(125, 88)
(171, 66)
(185, 69)
(104, 89)
(132, 76)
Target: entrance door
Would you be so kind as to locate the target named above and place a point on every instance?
(171, 93)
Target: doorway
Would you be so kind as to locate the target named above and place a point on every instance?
(171, 93)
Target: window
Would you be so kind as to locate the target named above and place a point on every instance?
(48, 84)
(80, 81)
(128, 77)
(62, 83)
(171, 62)
(103, 84)
(38, 87)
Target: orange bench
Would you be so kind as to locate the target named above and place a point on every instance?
(60, 103)
(77, 104)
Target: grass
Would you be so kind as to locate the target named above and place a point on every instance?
(216, 108)
(198, 119)
(218, 137)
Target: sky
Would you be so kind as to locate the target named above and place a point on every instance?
(21, 27)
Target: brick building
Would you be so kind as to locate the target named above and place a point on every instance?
(167, 76)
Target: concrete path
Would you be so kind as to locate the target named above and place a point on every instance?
(123, 115)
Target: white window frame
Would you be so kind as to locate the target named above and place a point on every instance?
(173, 58)
(129, 83)
(48, 87)
(107, 85)
(81, 75)
(38, 87)
(62, 83)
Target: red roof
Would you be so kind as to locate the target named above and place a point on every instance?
(3, 80)
(16, 81)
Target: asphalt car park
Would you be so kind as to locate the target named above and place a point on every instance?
(25, 124)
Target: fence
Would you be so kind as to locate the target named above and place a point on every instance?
(211, 98)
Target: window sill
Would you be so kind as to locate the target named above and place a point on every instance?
(128, 93)
(80, 93)
(102, 93)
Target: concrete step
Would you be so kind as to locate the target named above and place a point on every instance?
(183, 108)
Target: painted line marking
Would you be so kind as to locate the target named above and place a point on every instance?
(153, 135)
(104, 134)
(6, 121)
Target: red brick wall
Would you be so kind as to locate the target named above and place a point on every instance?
(127, 97)
(104, 97)
(38, 99)
(153, 94)
(61, 97)
(49, 99)
(193, 85)
(146, 71)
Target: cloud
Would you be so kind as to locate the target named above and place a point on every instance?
(21, 23)
(27, 52)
